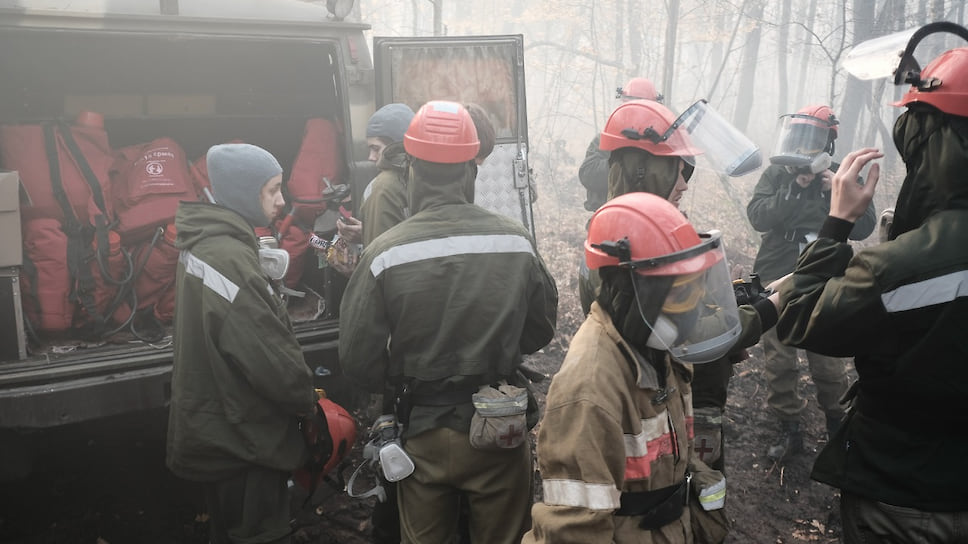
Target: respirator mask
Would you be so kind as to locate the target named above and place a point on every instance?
(274, 261)
(383, 451)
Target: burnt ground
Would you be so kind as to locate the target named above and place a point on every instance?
(106, 483)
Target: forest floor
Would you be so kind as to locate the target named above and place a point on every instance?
(107, 483)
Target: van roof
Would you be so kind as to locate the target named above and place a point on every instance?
(300, 11)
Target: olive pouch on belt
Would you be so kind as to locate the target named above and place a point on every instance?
(500, 417)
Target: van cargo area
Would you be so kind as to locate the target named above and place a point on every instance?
(199, 90)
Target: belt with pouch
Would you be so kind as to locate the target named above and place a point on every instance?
(658, 507)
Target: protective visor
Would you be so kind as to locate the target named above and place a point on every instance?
(800, 139)
(726, 150)
(698, 321)
(895, 54)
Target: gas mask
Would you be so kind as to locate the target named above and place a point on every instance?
(274, 261)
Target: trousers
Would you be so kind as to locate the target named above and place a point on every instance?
(871, 522)
(829, 374)
(251, 507)
(496, 484)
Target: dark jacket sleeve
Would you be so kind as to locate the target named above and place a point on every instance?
(539, 328)
(385, 207)
(831, 301)
(593, 172)
(364, 329)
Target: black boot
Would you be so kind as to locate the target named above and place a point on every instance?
(790, 443)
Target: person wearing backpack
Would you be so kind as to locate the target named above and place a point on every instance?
(240, 385)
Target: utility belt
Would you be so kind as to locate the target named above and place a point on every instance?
(658, 507)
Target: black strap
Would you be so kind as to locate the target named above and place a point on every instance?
(79, 236)
(658, 507)
(89, 176)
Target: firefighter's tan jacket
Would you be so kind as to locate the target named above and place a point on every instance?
(608, 428)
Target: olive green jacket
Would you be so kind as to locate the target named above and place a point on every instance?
(446, 301)
(385, 198)
(239, 380)
(789, 217)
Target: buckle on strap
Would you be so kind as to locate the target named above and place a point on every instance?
(658, 507)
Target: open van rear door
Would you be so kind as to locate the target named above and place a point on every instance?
(487, 70)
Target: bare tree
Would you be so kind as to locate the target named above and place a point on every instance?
(782, 50)
(751, 53)
(669, 63)
(857, 93)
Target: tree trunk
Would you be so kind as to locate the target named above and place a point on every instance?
(782, 50)
(633, 17)
(751, 53)
(857, 92)
(803, 78)
(669, 67)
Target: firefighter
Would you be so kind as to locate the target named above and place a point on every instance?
(899, 308)
(385, 197)
(465, 294)
(615, 446)
(664, 168)
(593, 172)
(239, 385)
(788, 206)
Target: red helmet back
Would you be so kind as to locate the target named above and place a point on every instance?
(639, 88)
(442, 132)
(653, 228)
(330, 438)
(944, 84)
(647, 125)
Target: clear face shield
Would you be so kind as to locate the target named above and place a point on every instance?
(726, 150)
(904, 53)
(698, 322)
(801, 144)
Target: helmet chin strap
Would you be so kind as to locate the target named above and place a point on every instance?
(664, 332)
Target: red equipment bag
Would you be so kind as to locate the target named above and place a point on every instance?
(149, 181)
(154, 282)
(23, 148)
(64, 173)
(317, 167)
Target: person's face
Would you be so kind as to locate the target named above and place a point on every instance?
(271, 198)
(376, 146)
(680, 187)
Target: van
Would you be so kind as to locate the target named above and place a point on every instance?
(203, 72)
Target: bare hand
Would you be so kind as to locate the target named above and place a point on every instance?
(350, 229)
(848, 198)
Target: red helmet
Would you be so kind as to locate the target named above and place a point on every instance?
(330, 439)
(818, 115)
(647, 125)
(638, 88)
(651, 228)
(944, 84)
(442, 132)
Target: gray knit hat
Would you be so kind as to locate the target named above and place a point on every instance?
(237, 173)
(390, 122)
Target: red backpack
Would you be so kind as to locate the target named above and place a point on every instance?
(149, 180)
(63, 169)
